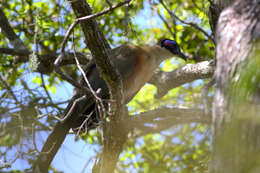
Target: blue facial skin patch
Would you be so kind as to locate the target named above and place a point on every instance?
(169, 43)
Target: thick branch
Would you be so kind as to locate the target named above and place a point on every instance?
(164, 118)
(188, 73)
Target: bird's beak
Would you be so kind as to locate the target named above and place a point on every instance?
(181, 55)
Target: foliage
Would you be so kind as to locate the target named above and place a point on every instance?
(41, 25)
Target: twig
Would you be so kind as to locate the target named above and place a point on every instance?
(98, 100)
(34, 141)
(84, 122)
(166, 24)
(76, 103)
(105, 11)
(92, 16)
(84, 75)
(187, 23)
(68, 78)
(109, 3)
(45, 89)
(86, 164)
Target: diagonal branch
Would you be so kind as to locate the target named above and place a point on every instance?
(187, 23)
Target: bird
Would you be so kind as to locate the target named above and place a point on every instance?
(134, 63)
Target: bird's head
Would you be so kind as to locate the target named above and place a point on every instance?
(173, 47)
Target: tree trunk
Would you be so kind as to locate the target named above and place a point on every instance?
(236, 115)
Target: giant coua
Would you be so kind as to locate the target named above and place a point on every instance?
(136, 65)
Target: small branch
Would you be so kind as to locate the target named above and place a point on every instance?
(187, 23)
(46, 61)
(109, 4)
(166, 24)
(98, 100)
(73, 82)
(94, 93)
(92, 16)
(67, 35)
(105, 11)
(188, 73)
(34, 141)
(180, 114)
(45, 89)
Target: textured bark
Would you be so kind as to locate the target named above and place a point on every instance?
(165, 81)
(237, 111)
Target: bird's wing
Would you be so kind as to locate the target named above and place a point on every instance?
(124, 59)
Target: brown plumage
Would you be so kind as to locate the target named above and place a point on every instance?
(134, 63)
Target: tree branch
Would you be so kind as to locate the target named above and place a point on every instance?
(46, 61)
(188, 73)
(11, 51)
(164, 118)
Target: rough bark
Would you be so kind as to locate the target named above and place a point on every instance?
(166, 81)
(237, 111)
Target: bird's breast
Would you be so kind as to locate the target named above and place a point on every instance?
(141, 74)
